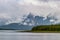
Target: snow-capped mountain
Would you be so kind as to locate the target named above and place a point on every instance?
(28, 22)
(38, 20)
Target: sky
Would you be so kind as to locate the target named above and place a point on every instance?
(15, 9)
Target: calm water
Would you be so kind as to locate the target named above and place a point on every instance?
(12, 35)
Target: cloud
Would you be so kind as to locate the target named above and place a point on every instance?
(39, 7)
(16, 9)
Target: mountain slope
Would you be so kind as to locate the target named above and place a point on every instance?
(16, 26)
(38, 20)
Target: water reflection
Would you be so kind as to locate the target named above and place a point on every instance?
(12, 35)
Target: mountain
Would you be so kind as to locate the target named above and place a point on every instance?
(38, 20)
(16, 26)
(3, 21)
(28, 22)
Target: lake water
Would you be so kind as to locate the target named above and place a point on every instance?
(12, 35)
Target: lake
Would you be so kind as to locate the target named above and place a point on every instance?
(13, 35)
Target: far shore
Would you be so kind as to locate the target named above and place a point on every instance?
(40, 31)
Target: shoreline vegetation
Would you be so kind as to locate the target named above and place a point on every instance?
(41, 29)
(45, 29)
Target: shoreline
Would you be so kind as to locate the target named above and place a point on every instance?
(40, 31)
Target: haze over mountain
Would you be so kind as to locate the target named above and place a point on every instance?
(28, 22)
(14, 10)
(43, 12)
(30, 19)
(38, 20)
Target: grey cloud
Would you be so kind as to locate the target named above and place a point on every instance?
(16, 10)
(49, 0)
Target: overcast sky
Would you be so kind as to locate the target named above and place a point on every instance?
(10, 9)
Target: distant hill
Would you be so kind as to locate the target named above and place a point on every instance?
(47, 28)
(15, 26)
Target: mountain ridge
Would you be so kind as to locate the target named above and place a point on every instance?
(30, 21)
